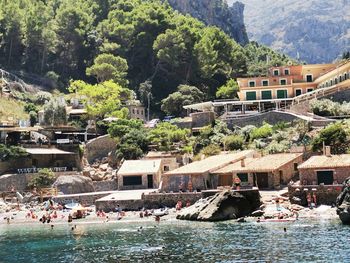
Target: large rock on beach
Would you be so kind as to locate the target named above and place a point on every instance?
(76, 184)
(343, 203)
(224, 205)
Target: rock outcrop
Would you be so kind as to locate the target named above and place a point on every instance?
(99, 170)
(216, 12)
(74, 184)
(343, 203)
(317, 30)
(224, 205)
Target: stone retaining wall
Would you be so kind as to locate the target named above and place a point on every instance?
(110, 185)
(325, 194)
(85, 200)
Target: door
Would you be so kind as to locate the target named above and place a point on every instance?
(262, 180)
(225, 180)
(325, 177)
(150, 180)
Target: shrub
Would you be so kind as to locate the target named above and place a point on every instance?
(262, 132)
(234, 142)
(211, 150)
(278, 147)
(11, 152)
(45, 178)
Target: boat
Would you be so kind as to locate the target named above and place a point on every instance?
(161, 212)
(276, 220)
(72, 205)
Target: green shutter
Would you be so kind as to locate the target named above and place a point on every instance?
(250, 95)
(266, 95)
(282, 94)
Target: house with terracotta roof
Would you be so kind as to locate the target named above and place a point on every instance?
(325, 169)
(266, 172)
(140, 174)
(199, 173)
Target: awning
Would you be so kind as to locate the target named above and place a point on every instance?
(204, 106)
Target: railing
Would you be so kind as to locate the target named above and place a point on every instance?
(37, 170)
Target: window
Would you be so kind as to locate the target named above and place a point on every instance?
(345, 76)
(243, 177)
(335, 81)
(266, 95)
(282, 94)
(251, 83)
(286, 71)
(132, 180)
(265, 83)
(133, 111)
(283, 81)
(298, 92)
(250, 95)
(276, 72)
(331, 82)
(309, 78)
(166, 168)
(137, 112)
(295, 166)
(340, 79)
(141, 112)
(309, 90)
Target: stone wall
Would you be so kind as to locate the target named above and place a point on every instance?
(84, 199)
(309, 176)
(99, 148)
(110, 185)
(326, 195)
(13, 165)
(171, 183)
(271, 117)
(201, 119)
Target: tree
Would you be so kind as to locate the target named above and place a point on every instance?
(233, 142)
(121, 127)
(103, 99)
(185, 95)
(168, 137)
(333, 135)
(109, 67)
(229, 90)
(55, 112)
(45, 178)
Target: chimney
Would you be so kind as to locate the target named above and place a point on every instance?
(242, 163)
(327, 151)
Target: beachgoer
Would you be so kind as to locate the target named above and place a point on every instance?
(157, 219)
(278, 207)
(190, 186)
(285, 230)
(181, 186)
(188, 203)
(70, 218)
(8, 220)
(314, 199)
(178, 205)
(237, 183)
(141, 214)
(308, 199)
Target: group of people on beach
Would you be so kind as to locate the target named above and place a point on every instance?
(311, 200)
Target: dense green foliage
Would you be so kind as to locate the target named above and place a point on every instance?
(133, 43)
(11, 152)
(328, 107)
(233, 142)
(334, 135)
(229, 90)
(262, 132)
(185, 95)
(55, 113)
(45, 178)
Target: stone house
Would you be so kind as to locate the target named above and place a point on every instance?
(199, 173)
(136, 110)
(140, 174)
(325, 169)
(266, 172)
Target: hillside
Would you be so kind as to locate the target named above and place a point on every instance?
(317, 29)
(216, 12)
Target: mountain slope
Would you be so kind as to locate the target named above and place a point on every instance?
(216, 12)
(319, 30)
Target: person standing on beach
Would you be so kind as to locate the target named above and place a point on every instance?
(309, 200)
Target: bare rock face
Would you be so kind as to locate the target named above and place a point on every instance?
(222, 206)
(74, 184)
(343, 203)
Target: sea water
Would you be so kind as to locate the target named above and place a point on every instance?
(178, 241)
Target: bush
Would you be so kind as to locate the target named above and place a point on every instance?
(234, 142)
(28, 107)
(264, 131)
(33, 118)
(45, 178)
(211, 150)
(11, 152)
(333, 135)
(278, 147)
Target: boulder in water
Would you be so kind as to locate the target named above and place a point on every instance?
(224, 205)
(75, 184)
(343, 203)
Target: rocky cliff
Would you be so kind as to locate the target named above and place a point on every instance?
(216, 12)
(317, 30)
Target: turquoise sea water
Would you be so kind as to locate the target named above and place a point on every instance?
(178, 241)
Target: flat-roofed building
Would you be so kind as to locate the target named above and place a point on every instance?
(140, 174)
